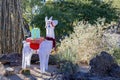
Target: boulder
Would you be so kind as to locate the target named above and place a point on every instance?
(103, 78)
(102, 64)
(103, 67)
(115, 72)
(14, 59)
(3, 58)
(81, 76)
(111, 40)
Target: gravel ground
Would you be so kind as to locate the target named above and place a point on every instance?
(35, 73)
(51, 74)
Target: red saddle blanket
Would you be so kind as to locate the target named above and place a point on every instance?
(34, 43)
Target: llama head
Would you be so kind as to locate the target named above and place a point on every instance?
(50, 23)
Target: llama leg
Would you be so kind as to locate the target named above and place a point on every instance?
(29, 55)
(23, 59)
(46, 62)
(25, 53)
(42, 62)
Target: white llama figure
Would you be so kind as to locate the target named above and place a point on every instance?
(47, 45)
(44, 49)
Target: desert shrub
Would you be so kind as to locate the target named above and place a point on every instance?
(80, 46)
(84, 42)
(67, 62)
(116, 53)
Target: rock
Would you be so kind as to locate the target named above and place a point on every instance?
(113, 28)
(9, 71)
(102, 64)
(80, 76)
(67, 76)
(2, 69)
(115, 72)
(103, 78)
(3, 59)
(103, 67)
(3, 78)
(14, 59)
(111, 40)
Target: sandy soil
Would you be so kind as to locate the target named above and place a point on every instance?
(35, 73)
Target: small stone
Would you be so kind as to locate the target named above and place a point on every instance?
(2, 69)
(9, 71)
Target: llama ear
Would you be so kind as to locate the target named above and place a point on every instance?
(55, 22)
(50, 18)
(46, 18)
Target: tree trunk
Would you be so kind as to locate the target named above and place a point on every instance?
(11, 31)
(0, 24)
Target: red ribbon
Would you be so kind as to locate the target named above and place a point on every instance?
(51, 39)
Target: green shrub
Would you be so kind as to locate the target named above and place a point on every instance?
(116, 53)
(68, 67)
(67, 62)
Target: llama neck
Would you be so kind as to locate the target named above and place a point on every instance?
(50, 32)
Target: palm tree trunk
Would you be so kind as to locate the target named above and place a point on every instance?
(11, 32)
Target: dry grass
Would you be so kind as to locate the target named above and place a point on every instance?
(84, 42)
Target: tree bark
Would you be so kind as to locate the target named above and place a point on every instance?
(11, 31)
